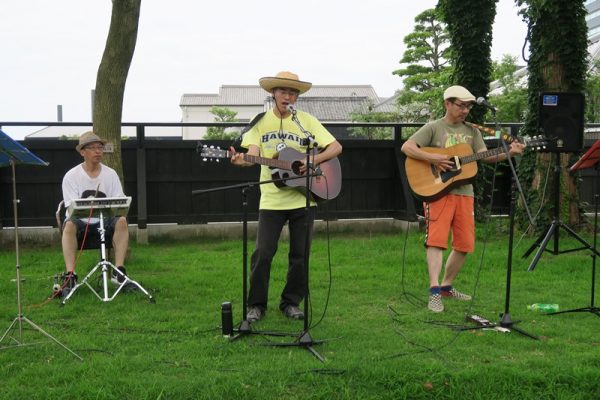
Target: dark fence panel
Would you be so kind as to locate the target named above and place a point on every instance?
(371, 185)
(171, 170)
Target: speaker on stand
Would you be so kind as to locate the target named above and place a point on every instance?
(561, 121)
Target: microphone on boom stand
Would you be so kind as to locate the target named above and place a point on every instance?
(291, 108)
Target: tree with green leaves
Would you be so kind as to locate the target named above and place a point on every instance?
(426, 67)
(511, 96)
(592, 93)
(112, 76)
(222, 114)
(366, 114)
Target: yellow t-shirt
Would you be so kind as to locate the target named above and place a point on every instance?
(271, 134)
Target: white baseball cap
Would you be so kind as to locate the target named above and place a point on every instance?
(458, 92)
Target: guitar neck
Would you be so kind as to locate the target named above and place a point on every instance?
(484, 154)
(269, 162)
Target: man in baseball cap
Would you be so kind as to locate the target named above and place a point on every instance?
(454, 210)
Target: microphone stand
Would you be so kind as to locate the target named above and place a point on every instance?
(506, 320)
(305, 340)
(244, 328)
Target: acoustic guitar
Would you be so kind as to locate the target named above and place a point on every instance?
(325, 185)
(428, 183)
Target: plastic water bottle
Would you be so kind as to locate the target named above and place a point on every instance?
(543, 308)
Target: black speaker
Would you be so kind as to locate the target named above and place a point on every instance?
(561, 121)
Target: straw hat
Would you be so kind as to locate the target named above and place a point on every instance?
(87, 138)
(458, 92)
(284, 79)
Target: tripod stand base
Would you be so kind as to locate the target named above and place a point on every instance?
(245, 328)
(305, 341)
(507, 322)
(106, 268)
(19, 342)
(591, 309)
(544, 239)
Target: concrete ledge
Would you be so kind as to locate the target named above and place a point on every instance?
(227, 230)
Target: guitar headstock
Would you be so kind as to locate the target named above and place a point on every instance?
(535, 143)
(211, 153)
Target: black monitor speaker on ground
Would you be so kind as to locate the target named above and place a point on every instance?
(561, 120)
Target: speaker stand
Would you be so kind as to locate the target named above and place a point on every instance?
(554, 228)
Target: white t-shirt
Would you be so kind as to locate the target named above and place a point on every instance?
(77, 184)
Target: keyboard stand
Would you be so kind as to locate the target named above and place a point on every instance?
(106, 268)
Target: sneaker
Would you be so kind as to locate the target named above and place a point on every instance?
(455, 294)
(435, 303)
(117, 278)
(293, 312)
(255, 314)
(69, 283)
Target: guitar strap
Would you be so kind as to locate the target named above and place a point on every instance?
(253, 122)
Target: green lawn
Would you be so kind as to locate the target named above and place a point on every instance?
(384, 343)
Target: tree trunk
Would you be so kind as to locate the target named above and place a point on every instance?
(112, 76)
(557, 63)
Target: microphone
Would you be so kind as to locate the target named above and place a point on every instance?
(291, 108)
(483, 102)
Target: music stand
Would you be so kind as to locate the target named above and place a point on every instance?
(12, 153)
(101, 207)
(590, 159)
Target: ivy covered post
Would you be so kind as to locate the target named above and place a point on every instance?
(557, 63)
(469, 24)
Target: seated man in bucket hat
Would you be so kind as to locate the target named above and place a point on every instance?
(275, 131)
(91, 178)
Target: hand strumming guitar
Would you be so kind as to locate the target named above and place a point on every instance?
(441, 161)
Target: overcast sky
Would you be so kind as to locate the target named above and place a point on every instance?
(50, 50)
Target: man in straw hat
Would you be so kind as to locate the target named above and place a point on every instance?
(273, 132)
(91, 178)
(454, 210)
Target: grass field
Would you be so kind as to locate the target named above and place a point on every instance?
(384, 343)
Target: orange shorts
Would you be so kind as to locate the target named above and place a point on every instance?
(451, 211)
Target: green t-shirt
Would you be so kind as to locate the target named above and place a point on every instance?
(441, 134)
(271, 134)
